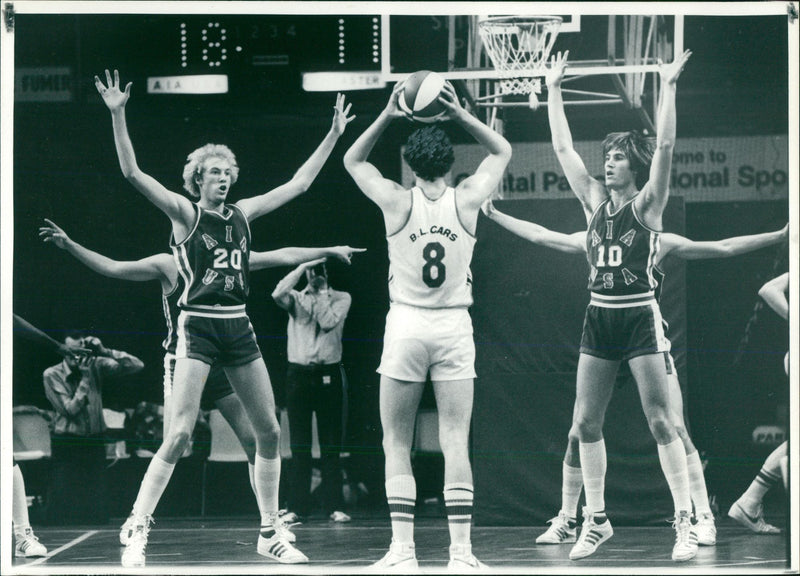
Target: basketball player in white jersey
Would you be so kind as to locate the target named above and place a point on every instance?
(562, 528)
(211, 246)
(217, 392)
(623, 321)
(430, 232)
(748, 510)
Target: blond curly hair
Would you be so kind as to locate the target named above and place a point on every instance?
(195, 165)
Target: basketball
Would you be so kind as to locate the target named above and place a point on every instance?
(419, 97)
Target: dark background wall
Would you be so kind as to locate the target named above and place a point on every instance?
(65, 169)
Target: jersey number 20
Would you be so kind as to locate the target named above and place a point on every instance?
(221, 258)
(433, 272)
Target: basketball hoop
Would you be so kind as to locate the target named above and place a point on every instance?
(519, 44)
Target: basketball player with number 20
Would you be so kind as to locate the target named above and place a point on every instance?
(211, 246)
(430, 231)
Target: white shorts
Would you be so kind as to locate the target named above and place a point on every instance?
(422, 340)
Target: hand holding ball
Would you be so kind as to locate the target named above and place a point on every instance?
(419, 97)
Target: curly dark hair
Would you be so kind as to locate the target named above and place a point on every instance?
(637, 147)
(429, 153)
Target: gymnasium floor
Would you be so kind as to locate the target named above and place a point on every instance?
(214, 546)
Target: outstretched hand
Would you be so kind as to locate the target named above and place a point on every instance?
(345, 253)
(671, 72)
(52, 233)
(340, 115)
(112, 95)
(555, 73)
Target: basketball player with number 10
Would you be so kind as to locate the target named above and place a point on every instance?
(430, 231)
(623, 320)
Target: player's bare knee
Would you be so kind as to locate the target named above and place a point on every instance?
(268, 433)
(662, 429)
(176, 441)
(587, 429)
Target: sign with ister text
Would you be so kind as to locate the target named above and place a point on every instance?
(703, 169)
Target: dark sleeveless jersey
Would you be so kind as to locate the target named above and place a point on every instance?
(213, 261)
(622, 253)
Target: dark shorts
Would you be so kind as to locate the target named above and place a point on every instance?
(216, 388)
(623, 333)
(214, 340)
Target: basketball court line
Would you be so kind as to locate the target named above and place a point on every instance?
(66, 546)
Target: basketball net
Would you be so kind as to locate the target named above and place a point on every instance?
(517, 47)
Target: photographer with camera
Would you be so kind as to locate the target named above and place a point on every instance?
(314, 382)
(74, 388)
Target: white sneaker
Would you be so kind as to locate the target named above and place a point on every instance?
(284, 523)
(685, 538)
(706, 530)
(339, 516)
(562, 530)
(592, 535)
(134, 554)
(401, 557)
(280, 549)
(462, 560)
(755, 521)
(28, 545)
(126, 530)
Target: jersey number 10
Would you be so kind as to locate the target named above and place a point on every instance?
(614, 255)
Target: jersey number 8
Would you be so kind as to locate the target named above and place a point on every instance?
(433, 272)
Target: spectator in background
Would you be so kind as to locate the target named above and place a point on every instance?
(314, 383)
(26, 544)
(74, 388)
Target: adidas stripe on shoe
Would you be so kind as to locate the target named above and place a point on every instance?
(592, 535)
(685, 538)
(277, 548)
(562, 530)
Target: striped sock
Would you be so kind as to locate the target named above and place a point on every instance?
(401, 494)
(571, 486)
(767, 477)
(593, 465)
(697, 484)
(673, 463)
(458, 498)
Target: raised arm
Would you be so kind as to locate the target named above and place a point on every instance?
(692, 250)
(574, 243)
(380, 190)
(478, 187)
(294, 256)
(306, 174)
(32, 333)
(157, 267)
(282, 292)
(774, 294)
(177, 207)
(589, 191)
(655, 194)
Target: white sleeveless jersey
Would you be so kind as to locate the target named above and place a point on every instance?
(429, 256)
